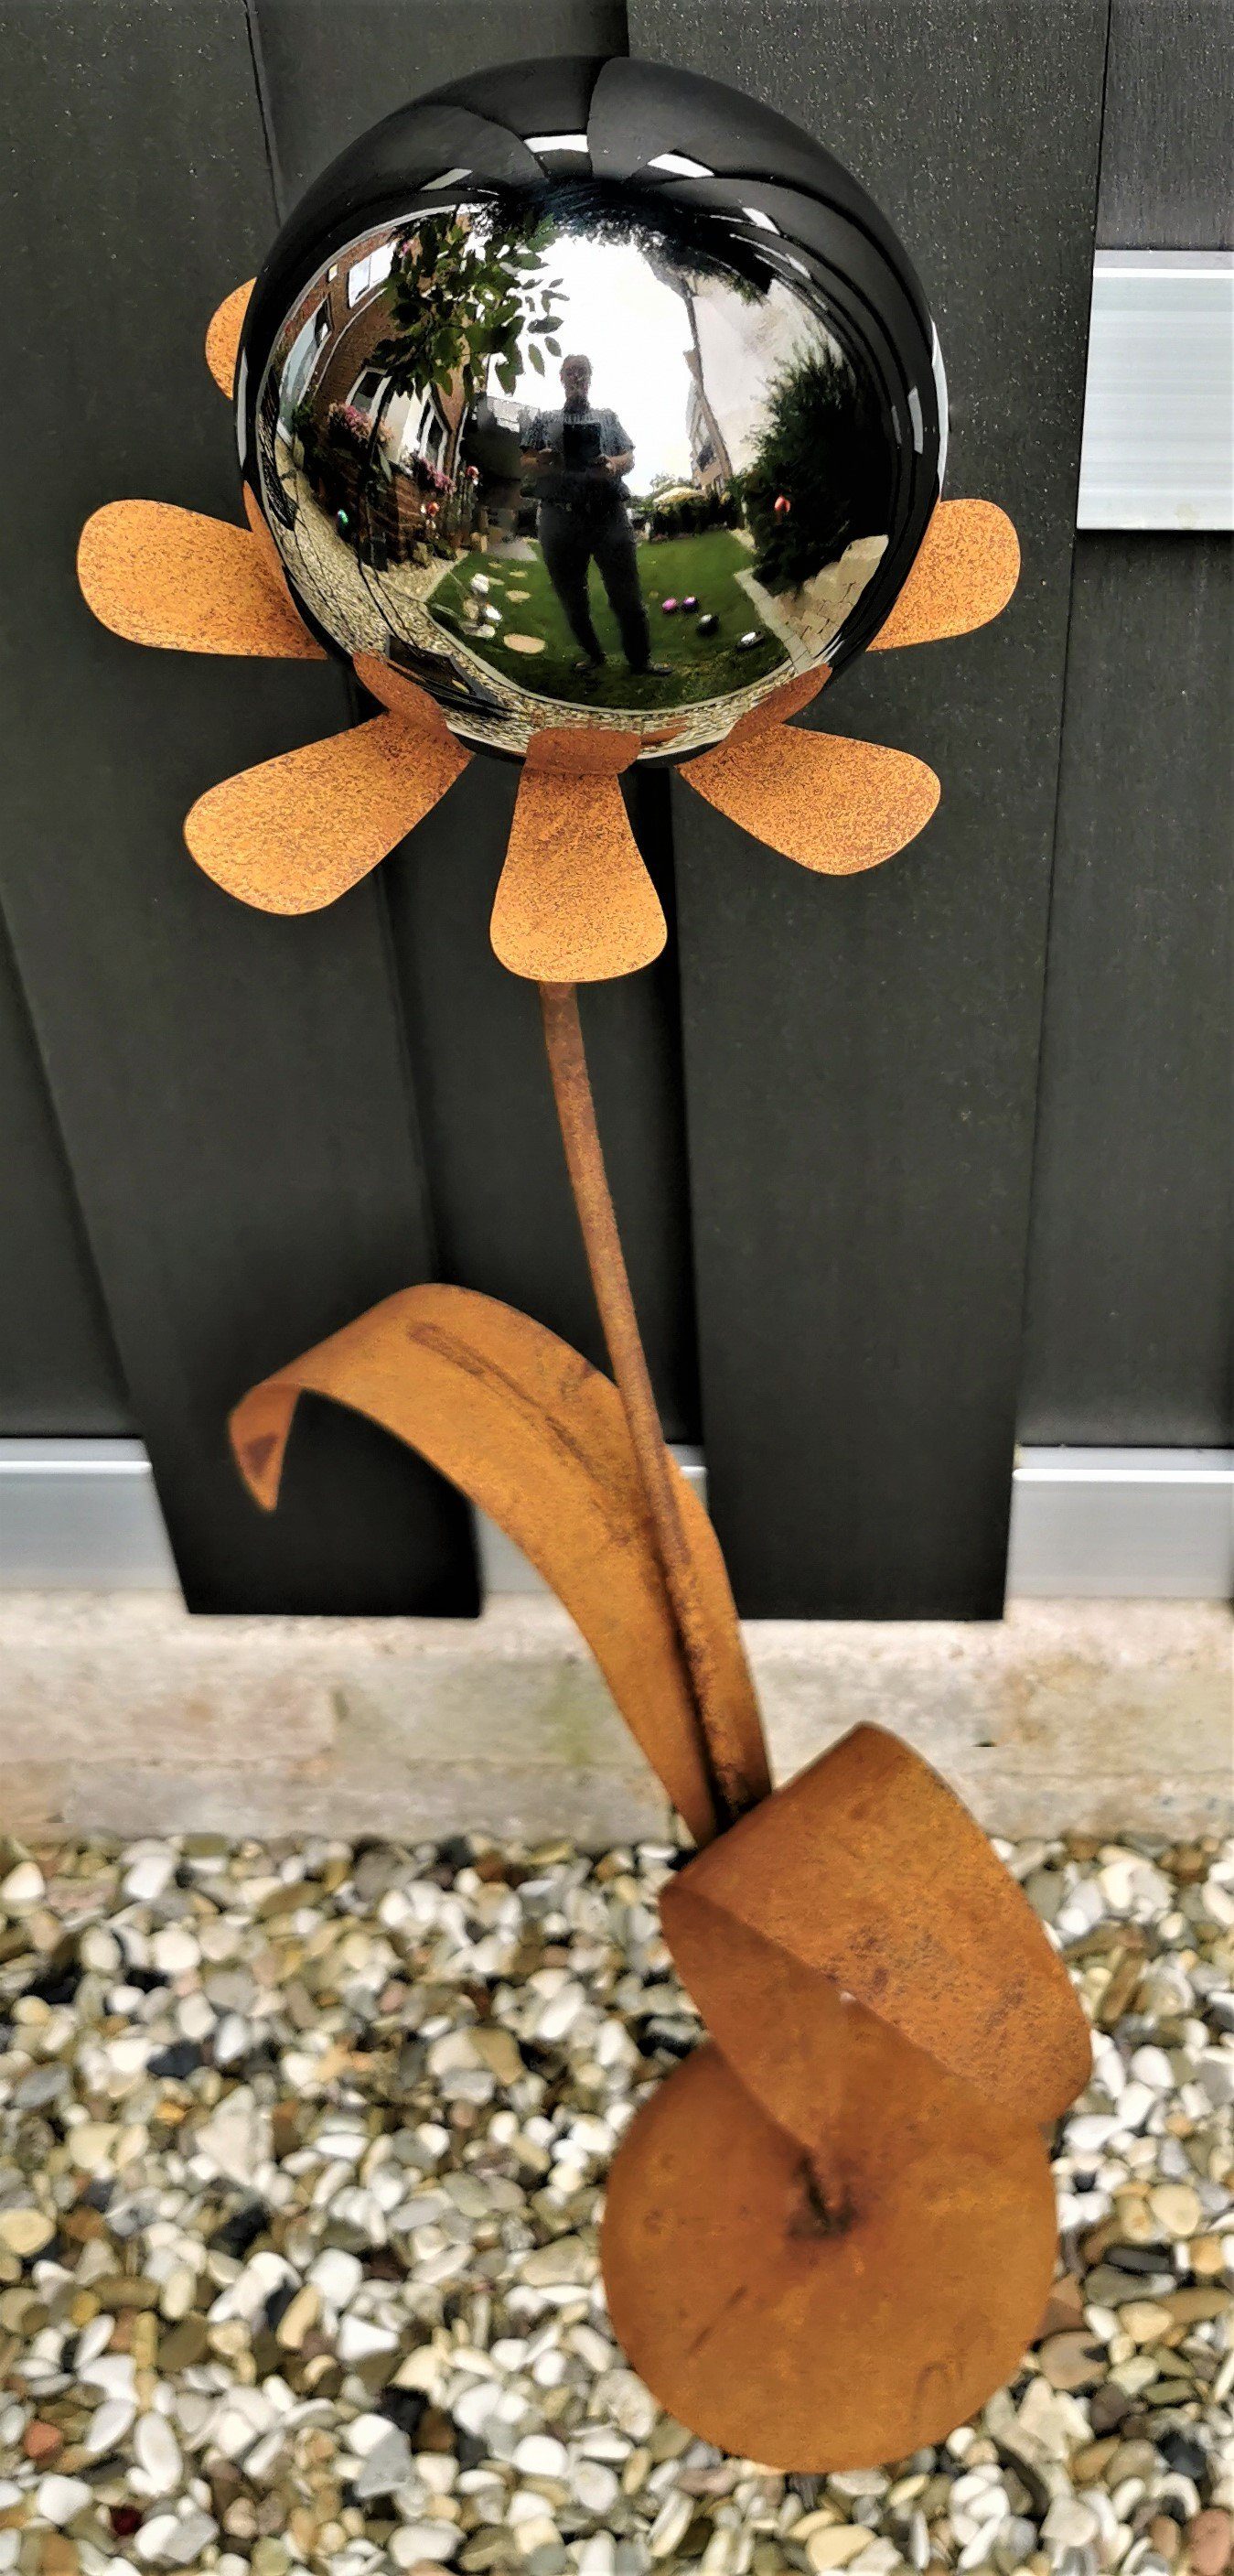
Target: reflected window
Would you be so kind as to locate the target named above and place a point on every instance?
(366, 389)
(370, 272)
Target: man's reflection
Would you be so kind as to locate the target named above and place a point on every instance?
(575, 459)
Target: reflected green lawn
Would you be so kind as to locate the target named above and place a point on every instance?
(700, 666)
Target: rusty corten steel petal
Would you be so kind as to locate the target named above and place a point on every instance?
(538, 1439)
(866, 1875)
(296, 832)
(575, 904)
(967, 567)
(827, 2303)
(190, 584)
(833, 805)
(223, 336)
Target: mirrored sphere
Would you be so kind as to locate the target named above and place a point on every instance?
(590, 393)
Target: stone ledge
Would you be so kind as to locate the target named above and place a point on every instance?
(121, 1713)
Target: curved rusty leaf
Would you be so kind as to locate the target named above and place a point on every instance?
(537, 1438)
(821, 2304)
(866, 1876)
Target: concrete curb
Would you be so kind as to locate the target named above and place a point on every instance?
(120, 1713)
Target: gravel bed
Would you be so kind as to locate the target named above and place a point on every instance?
(301, 2149)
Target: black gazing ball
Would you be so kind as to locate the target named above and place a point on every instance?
(557, 315)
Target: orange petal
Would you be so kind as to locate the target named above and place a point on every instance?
(295, 833)
(575, 903)
(833, 805)
(223, 336)
(538, 1440)
(159, 575)
(788, 700)
(965, 572)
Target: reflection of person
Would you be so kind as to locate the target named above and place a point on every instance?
(578, 457)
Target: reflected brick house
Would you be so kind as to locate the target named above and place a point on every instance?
(389, 483)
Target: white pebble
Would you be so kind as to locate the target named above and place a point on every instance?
(109, 2425)
(148, 1877)
(60, 2499)
(24, 1886)
(594, 2486)
(540, 2457)
(158, 2453)
(337, 2275)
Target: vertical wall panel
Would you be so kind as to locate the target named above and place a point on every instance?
(58, 1370)
(1130, 1325)
(1131, 1310)
(861, 1056)
(1167, 168)
(505, 1222)
(231, 1089)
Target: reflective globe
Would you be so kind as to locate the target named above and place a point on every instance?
(564, 350)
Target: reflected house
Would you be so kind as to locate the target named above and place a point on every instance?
(386, 457)
(739, 345)
(710, 462)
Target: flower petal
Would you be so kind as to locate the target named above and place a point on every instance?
(159, 575)
(575, 904)
(293, 834)
(223, 336)
(966, 570)
(830, 804)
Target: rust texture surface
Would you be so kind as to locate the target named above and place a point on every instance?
(867, 1873)
(575, 904)
(832, 805)
(223, 336)
(726, 1708)
(967, 567)
(538, 1439)
(830, 2303)
(293, 834)
(160, 575)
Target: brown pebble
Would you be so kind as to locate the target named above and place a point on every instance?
(1071, 2361)
(1108, 2407)
(1087, 2466)
(58, 2555)
(1120, 1992)
(1209, 2540)
(182, 2345)
(434, 2432)
(1165, 2537)
(1064, 2308)
(41, 2441)
(1193, 2307)
(116, 2291)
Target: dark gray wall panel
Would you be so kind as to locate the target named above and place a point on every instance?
(58, 1370)
(505, 1222)
(1131, 1306)
(328, 71)
(1167, 169)
(861, 1056)
(505, 1218)
(231, 1089)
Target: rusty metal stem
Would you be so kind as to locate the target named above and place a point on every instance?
(563, 1038)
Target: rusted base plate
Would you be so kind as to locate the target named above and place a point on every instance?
(837, 2305)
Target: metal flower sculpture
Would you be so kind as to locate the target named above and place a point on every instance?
(747, 449)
